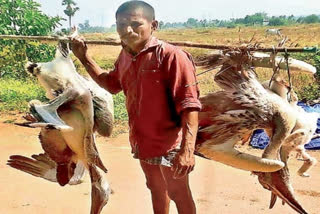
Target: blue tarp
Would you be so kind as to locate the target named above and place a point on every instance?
(260, 139)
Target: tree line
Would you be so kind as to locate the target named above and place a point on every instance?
(257, 19)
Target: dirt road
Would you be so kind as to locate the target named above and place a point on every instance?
(216, 188)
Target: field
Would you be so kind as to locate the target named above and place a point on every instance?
(216, 188)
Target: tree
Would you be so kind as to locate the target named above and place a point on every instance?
(23, 17)
(191, 23)
(254, 19)
(276, 21)
(70, 10)
(85, 25)
(311, 19)
(161, 24)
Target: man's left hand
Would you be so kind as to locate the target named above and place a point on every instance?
(183, 164)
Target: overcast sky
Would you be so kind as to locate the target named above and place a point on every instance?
(101, 12)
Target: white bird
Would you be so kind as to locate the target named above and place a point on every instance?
(273, 31)
(77, 108)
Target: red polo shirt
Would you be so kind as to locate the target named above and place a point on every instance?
(159, 83)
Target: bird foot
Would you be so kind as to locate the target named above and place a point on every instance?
(305, 175)
(100, 192)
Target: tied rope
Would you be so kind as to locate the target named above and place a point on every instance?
(206, 71)
(286, 56)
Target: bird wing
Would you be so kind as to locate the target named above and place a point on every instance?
(43, 166)
(39, 165)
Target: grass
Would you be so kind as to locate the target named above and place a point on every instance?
(120, 112)
(15, 94)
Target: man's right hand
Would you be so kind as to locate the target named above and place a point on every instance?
(79, 47)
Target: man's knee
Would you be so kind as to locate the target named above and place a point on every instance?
(178, 190)
(178, 193)
(156, 185)
(154, 179)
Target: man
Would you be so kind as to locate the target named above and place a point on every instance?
(158, 80)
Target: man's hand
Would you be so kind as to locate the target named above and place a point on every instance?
(79, 47)
(184, 161)
(183, 164)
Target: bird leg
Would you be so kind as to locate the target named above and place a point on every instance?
(309, 161)
(283, 126)
(85, 105)
(100, 189)
(99, 186)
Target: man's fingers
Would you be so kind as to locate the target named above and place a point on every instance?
(181, 172)
(177, 171)
(78, 39)
(191, 169)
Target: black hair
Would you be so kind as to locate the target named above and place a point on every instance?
(132, 5)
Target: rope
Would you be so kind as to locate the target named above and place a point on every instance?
(286, 56)
(273, 61)
(195, 83)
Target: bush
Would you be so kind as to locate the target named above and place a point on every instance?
(313, 59)
(310, 92)
(23, 17)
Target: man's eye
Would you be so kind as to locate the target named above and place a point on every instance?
(135, 25)
(121, 25)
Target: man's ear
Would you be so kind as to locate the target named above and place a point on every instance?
(154, 25)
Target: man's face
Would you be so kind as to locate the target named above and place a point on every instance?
(134, 28)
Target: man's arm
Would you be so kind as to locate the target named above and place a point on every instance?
(184, 161)
(80, 50)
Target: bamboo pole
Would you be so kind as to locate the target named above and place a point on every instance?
(183, 44)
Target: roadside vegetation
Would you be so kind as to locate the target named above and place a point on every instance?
(17, 88)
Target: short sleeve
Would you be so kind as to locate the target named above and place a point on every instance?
(182, 81)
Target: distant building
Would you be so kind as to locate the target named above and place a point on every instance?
(265, 22)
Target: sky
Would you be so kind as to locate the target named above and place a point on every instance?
(101, 12)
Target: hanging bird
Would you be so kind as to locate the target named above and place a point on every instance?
(77, 108)
(230, 116)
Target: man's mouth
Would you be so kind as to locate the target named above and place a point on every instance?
(129, 36)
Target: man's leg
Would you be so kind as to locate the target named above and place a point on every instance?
(179, 191)
(158, 188)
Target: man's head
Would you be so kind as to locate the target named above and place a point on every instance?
(135, 23)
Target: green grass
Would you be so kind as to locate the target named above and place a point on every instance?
(120, 112)
(15, 94)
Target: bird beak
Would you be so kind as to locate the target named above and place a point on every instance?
(264, 60)
(280, 187)
(279, 184)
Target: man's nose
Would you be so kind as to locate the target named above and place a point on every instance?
(129, 29)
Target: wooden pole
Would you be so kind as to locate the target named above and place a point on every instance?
(56, 39)
(183, 44)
